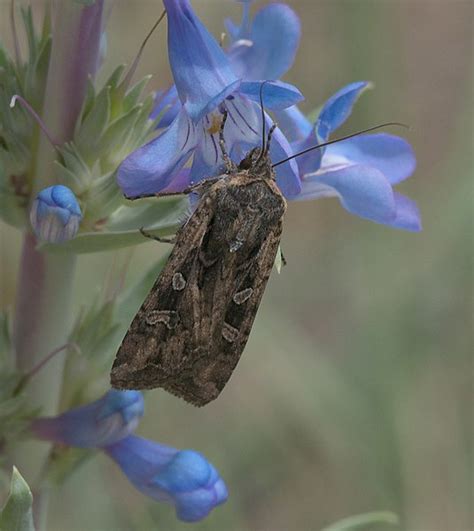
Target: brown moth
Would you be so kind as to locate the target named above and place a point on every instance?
(193, 326)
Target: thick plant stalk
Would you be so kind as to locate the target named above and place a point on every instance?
(44, 296)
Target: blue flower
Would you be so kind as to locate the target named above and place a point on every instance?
(55, 214)
(206, 84)
(109, 419)
(183, 478)
(361, 171)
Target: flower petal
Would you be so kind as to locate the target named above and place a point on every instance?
(166, 103)
(201, 70)
(390, 154)
(183, 478)
(275, 94)
(362, 190)
(275, 35)
(103, 422)
(407, 214)
(242, 30)
(287, 174)
(338, 108)
(293, 123)
(152, 167)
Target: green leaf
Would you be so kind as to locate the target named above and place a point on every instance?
(363, 521)
(133, 95)
(17, 514)
(94, 124)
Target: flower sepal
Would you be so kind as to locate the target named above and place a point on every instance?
(17, 513)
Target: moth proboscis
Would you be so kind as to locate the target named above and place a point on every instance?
(190, 332)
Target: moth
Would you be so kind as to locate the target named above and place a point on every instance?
(190, 332)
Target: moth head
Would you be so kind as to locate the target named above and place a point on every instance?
(257, 164)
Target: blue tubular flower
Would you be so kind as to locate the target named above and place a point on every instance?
(206, 85)
(360, 171)
(103, 422)
(183, 478)
(55, 214)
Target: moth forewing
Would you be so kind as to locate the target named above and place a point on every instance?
(193, 326)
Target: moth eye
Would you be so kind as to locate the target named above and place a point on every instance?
(178, 282)
(229, 333)
(241, 296)
(169, 318)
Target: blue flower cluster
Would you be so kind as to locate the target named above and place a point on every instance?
(183, 478)
(361, 172)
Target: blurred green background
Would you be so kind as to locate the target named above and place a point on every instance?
(354, 391)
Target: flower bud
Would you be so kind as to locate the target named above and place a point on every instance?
(103, 422)
(184, 478)
(55, 214)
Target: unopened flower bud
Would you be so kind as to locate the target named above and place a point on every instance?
(183, 478)
(55, 214)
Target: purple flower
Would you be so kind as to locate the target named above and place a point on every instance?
(206, 84)
(183, 478)
(55, 214)
(360, 171)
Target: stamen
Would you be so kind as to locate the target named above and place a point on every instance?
(35, 117)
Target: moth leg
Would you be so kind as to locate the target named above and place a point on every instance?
(158, 194)
(229, 165)
(157, 238)
(283, 259)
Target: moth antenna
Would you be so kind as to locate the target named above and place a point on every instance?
(262, 108)
(229, 165)
(131, 71)
(269, 138)
(324, 144)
